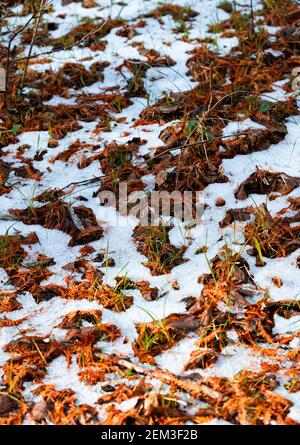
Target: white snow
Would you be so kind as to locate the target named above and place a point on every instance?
(117, 239)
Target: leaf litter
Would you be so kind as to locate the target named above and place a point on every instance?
(150, 325)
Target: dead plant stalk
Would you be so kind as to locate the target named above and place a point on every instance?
(37, 22)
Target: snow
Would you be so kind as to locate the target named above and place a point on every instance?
(294, 412)
(175, 358)
(286, 325)
(233, 360)
(117, 237)
(59, 368)
(232, 128)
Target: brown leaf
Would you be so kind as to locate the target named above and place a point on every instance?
(40, 411)
(201, 358)
(265, 182)
(87, 235)
(7, 404)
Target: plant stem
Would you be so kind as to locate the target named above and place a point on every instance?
(37, 21)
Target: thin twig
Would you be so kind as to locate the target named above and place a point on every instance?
(37, 22)
(8, 61)
(54, 50)
(252, 18)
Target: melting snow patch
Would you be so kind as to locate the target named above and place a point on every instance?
(286, 325)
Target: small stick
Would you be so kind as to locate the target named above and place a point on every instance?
(252, 18)
(37, 22)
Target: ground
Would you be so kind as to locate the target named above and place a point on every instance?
(104, 320)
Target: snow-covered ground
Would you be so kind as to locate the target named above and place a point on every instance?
(117, 243)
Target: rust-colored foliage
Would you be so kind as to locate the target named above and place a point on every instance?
(98, 331)
(57, 215)
(8, 302)
(271, 237)
(157, 336)
(228, 309)
(264, 182)
(62, 408)
(153, 242)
